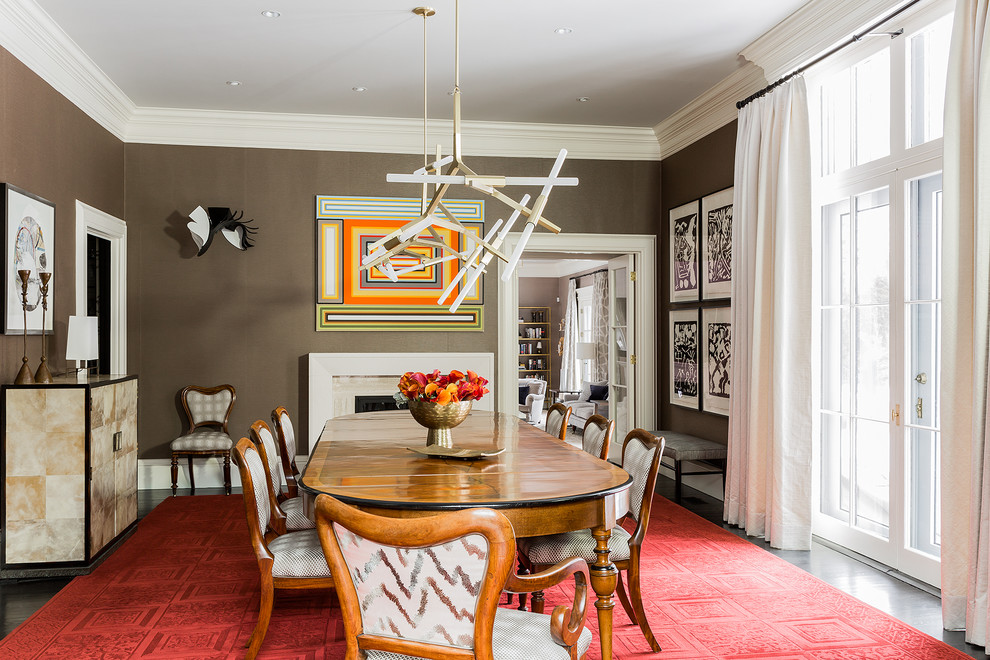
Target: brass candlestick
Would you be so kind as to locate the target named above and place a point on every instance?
(24, 376)
(43, 375)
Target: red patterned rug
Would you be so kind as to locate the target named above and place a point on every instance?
(185, 586)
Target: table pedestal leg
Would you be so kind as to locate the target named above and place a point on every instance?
(604, 576)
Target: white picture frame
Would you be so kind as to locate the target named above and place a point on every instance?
(684, 252)
(685, 386)
(29, 223)
(716, 351)
(716, 245)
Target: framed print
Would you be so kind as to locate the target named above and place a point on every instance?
(716, 245)
(716, 351)
(29, 245)
(684, 385)
(684, 252)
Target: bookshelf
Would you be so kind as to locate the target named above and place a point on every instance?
(535, 343)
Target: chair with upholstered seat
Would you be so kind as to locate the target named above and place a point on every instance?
(286, 436)
(532, 396)
(207, 411)
(429, 588)
(641, 453)
(557, 418)
(287, 512)
(286, 561)
(598, 436)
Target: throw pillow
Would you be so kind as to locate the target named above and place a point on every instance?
(523, 393)
(599, 392)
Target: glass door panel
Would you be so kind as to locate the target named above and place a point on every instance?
(622, 351)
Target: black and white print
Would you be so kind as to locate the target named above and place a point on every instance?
(684, 252)
(716, 245)
(716, 328)
(684, 337)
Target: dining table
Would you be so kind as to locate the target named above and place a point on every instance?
(374, 461)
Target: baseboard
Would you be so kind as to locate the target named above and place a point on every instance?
(156, 473)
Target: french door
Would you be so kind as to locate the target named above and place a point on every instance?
(622, 352)
(878, 420)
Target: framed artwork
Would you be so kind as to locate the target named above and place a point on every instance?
(348, 298)
(684, 252)
(684, 336)
(716, 351)
(716, 245)
(29, 245)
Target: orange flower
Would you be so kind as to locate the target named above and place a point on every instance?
(442, 389)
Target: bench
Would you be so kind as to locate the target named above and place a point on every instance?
(679, 447)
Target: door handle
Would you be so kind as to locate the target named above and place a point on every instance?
(922, 378)
(895, 415)
(919, 408)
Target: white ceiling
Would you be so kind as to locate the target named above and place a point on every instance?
(637, 61)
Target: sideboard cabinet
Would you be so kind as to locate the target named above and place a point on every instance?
(69, 473)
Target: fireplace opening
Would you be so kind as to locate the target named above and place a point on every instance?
(376, 403)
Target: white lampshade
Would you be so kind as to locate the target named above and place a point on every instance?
(586, 350)
(83, 338)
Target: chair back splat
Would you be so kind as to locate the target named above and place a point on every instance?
(597, 437)
(286, 436)
(557, 419)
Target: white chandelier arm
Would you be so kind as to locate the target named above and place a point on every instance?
(480, 181)
(426, 264)
(432, 167)
(467, 263)
(525, 210)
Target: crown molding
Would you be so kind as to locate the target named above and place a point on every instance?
(386, 134)
(811, 30)
(30, 35)
(710, 111)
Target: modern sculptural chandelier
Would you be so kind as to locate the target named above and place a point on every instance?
(434, 214)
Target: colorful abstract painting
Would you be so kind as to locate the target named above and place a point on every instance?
(352, 299)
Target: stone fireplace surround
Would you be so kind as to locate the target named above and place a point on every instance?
(336, 378)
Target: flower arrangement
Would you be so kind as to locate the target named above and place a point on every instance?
(441, 389)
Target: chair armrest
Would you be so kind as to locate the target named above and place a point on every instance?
(570, 396)
(566, 623)
(533, 398)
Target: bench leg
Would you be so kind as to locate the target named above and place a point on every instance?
(677, 481)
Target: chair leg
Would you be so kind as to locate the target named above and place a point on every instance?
(264, 617)
(192, 478)
(226, 472)
(620, 590)
(636, 596)
(175, 473)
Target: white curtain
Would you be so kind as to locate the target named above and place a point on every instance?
(599, 326)
(965, 482)
(570, 378)
(768, 484)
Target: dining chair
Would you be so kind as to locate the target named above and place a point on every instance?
(286, 436)
(597, 437)
(287, 512)
(429, 587)
(207, 410)
(641, 453)
(287, 561)
(557, 418)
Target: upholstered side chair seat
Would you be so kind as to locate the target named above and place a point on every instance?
(516, 636)
(298, 554)
(557, 547)
(295, 517)
(203, 441)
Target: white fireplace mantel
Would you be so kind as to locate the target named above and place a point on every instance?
(332, 375)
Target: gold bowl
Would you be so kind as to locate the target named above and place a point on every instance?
(439, 419)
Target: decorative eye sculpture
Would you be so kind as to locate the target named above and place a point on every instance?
(217, 219)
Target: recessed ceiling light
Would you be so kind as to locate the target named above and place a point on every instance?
(359, 89)
(233, 83)
(583, 99)
(271, 13)
(563, 30)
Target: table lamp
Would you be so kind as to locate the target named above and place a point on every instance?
(82, 342)
(585, 351)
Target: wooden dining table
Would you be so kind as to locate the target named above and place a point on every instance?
(543, 485)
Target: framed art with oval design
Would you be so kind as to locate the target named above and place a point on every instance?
(29, 245)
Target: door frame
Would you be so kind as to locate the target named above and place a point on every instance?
(644, 250)
(92, 221)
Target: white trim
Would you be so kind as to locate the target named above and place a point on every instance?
(93, 221)
(643, 248)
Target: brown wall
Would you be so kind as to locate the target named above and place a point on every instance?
(52, 149)
(694, 172)
(248, 318)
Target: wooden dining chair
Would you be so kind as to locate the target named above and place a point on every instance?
(429, 587)
(293, 560)
(207, 411)
(286, 436)
(557, 418)
(287, 512)
(597, 437)
(641, 453)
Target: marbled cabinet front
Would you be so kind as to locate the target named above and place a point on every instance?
(69, 472)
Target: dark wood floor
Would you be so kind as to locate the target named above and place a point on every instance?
(872, 584)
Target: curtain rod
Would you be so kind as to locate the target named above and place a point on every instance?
(600, 270)
(856, 38)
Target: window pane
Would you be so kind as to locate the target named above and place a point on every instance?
(835, 467)
(923, 518)
(925, 217)
(928, 58)
(836, 123)
(872, 80)
(872, 477)
(872, 353)
(835, 360)
(835, 253)
(872, 239)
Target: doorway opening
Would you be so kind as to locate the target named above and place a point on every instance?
(98, 295)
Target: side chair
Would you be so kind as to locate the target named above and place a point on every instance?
(429, 588)
(557, 418)
(286, 436)
(287, 561)
(287, 512)
(641, 453)
(207, 410)
(597, 438)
